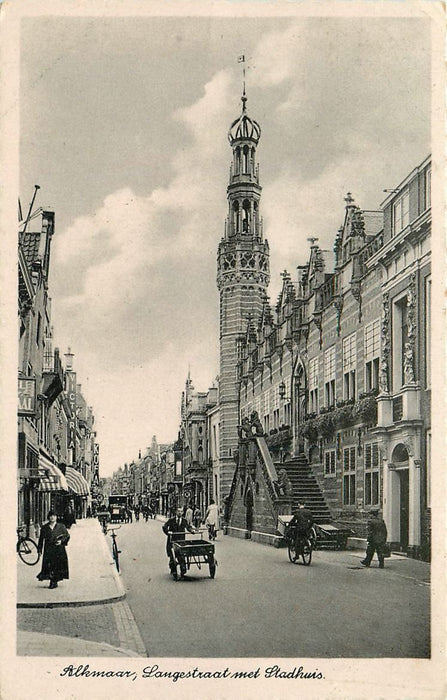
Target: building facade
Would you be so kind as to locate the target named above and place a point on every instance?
(52, 427)
(338, 372)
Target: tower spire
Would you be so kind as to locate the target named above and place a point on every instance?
(241, 59)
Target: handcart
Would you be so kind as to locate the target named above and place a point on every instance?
(194, 551)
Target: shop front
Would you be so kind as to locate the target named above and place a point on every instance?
(79, 491)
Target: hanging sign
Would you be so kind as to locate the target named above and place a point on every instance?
(27, 396)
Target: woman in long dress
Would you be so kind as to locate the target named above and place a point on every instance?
(53, 540)
(212, 519)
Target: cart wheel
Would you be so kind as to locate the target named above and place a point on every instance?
(212, 566)
(307, 552)
(292, 553)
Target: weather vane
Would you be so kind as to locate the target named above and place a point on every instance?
(241, 59)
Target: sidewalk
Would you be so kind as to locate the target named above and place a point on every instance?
(93, 576)
(58, 622)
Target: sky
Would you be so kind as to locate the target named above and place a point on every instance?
(123, 124)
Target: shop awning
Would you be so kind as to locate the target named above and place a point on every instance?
(76, 482)
(51, 477)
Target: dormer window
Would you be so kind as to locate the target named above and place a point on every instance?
(401, 212)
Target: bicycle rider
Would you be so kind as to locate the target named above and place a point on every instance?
(302, 521)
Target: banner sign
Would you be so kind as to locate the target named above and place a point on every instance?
(95, 479)
(27, 396)
(70, 388)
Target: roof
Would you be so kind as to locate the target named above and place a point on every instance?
(29, 243)
(373, 222)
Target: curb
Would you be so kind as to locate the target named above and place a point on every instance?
(73, 603)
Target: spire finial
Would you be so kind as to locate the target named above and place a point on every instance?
(241, 59)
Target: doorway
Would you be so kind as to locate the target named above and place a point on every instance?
(404, 507)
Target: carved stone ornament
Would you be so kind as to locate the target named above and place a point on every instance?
(409, 349)
(385, 342)
(356, 290)
(338, 303)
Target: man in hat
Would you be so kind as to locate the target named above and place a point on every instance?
(376, 539)
(303, 521)
(175, 529)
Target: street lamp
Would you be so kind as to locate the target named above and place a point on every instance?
(282, 392)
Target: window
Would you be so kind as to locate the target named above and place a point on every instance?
(329, 376)
(401, 212)
(400, 338)
(313, 385)
(427, 189)
(267, 424)
(349, 366)
(39, 323)
(372, 355)
(329, 463)
(372, 474)
(276, 418)
(427, 318)
(349, 476)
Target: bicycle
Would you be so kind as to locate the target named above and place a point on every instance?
(115, 551)
(27, 548)
(304, 549)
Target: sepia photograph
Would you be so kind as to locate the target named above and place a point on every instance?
(222, 465)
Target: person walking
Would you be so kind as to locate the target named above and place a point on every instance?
(53, 539)
(212, 519)
(189, 515)
(376, 539)
(197, 517)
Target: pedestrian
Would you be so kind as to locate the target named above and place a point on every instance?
(69, 516)
(212, 519)
(197, 517)
(137, 513)
(52, 541)
(129, 514)
(175, 528)
(189, 515)
(375, 539)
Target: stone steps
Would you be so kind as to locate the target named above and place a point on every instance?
(306, 488)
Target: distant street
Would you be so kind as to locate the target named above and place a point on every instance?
(261, 605)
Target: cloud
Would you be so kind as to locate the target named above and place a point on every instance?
(108, 259)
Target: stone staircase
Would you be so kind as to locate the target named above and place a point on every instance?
(305, 488)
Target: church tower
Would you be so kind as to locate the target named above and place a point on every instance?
(242, 278)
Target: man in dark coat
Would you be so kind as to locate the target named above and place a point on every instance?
(376, 539)
(303, 521)
(53, 540)
(175, 529)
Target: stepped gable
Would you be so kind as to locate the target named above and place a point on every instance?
(305, 488)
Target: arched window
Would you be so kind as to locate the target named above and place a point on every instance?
(246, 216)
(238, 160)
(236, 216)
(246, 163)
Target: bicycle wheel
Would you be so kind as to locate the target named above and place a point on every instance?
(292, 552)
(115, 554)
(307, 552)
(27, 551)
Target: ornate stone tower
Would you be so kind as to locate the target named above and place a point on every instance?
(242, 278)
